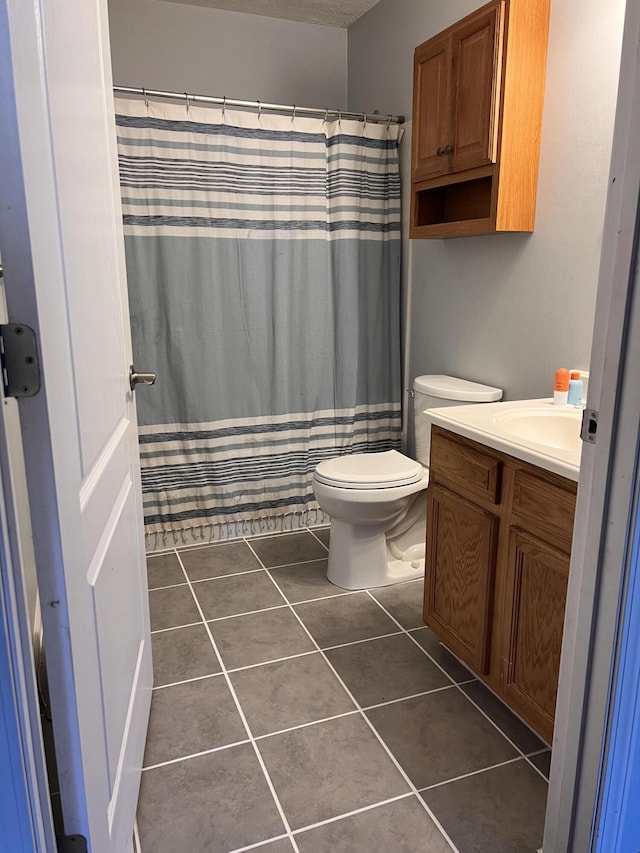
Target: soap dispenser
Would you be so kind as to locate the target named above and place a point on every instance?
(561, 387)
(575, 389)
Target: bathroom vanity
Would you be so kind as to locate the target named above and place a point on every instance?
(497, 562)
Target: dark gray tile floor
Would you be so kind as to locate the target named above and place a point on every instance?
(289, 715)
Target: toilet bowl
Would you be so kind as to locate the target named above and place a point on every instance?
(366, 495)
(377, 501)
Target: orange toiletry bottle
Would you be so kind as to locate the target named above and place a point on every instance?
(561, 387)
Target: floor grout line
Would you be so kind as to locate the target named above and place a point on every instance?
(370, 725)
(467, 697)
(537, 769)
(318, 539)
(176, 627)
(168, 586)
(230, 575)
(270, 534)
(342, 594)
(288, 565)
(406, 698)
(186, 680)
(354, 812)
(245, 722)
(195, 755)
(149, 555)
(358, 642)
(471, 773)
(247, 613)
(407, 631)
(232, 670)
(194, 546)
(307, 725)
(259, 844)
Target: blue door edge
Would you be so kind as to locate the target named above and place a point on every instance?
(617, 820)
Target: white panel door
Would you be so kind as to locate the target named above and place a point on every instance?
(62, 247)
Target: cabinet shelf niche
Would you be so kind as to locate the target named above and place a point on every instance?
(462, 206)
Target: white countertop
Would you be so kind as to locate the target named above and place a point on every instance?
(535, 431)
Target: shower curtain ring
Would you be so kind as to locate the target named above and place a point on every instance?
(224, 106)
(326, 115)
(340, 118)
(364, 121)
(186, 97)
(259, 110)
(389, 121)
(146, 99)
(293, 114)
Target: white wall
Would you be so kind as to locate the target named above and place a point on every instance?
(509, 309)
(177, 47)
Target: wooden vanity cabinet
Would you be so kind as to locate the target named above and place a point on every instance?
(498, 548)
(477, 114)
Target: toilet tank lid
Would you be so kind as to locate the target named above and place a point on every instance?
(451, 388)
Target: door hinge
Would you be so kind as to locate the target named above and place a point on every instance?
(72, 844)
(19, 360)
(589, 428)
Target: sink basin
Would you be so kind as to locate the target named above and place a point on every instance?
(549, 427)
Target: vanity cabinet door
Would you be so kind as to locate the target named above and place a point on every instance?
(536, 587)
(460, 575)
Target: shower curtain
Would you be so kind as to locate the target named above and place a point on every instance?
(263, 261)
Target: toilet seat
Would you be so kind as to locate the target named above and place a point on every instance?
(386, 470)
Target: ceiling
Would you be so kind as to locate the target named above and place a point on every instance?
(332, 13)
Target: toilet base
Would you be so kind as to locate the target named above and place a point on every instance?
(401, 570)
(358, 558)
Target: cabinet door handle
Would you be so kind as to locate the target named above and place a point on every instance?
(440, 152)
(448, 149)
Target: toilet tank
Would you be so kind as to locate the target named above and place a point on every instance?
(435, 391)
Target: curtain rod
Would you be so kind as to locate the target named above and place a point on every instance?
(259, 105)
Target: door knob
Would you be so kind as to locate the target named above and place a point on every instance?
(140, 378)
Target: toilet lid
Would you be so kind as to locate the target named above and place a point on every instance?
(369, 471)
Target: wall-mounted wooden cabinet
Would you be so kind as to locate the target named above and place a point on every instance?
(498, 547)
(477, 115)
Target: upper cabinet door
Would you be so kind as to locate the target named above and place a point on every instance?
(477, 63)
(431, 107)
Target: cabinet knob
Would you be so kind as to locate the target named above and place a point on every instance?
(448, 149)
(440, 152)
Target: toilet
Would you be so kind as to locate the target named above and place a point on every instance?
(377, 501)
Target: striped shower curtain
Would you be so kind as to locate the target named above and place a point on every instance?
(263, 257)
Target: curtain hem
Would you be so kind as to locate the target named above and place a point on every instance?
(224, 531)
